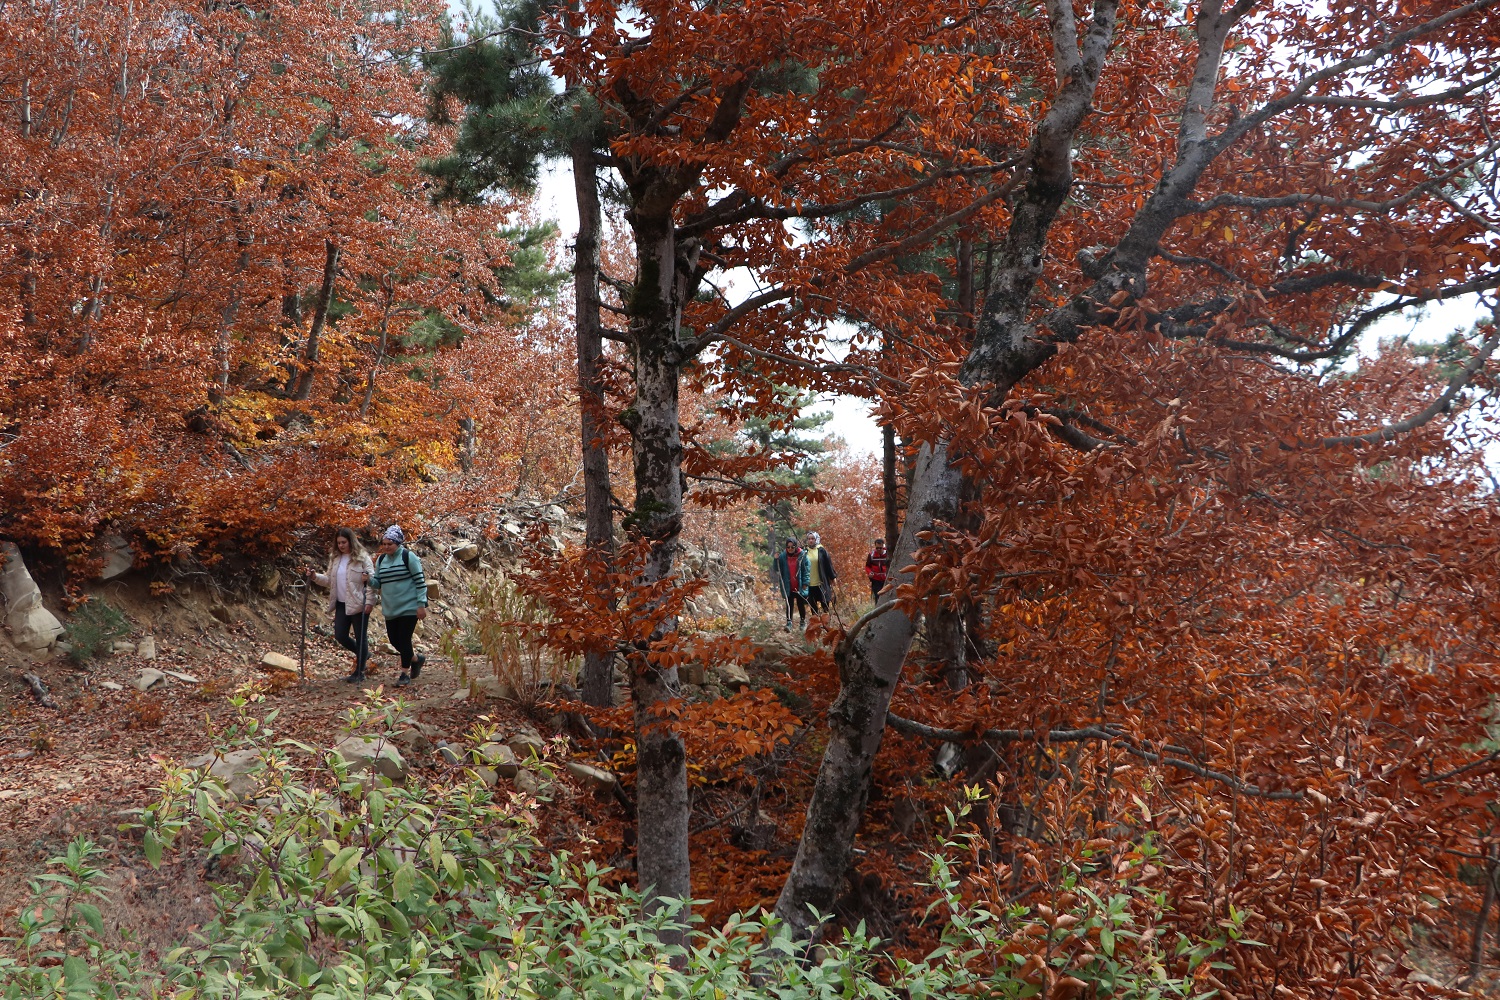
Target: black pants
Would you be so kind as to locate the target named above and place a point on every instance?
(795, 602)
(399, 631)
(818, 595)
(876, 586)
(352, 632)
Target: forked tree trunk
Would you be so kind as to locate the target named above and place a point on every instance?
(597, 682)
(1002, 353)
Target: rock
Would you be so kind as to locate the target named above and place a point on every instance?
(526, 782)
(122, 648)
(111, 686)
(32, 626)
(179, 675)
(148, 679)
(275, 661)
(491, 687)
(721, 603)
(417, 739)
(16, 584)
(554, 514)
(119, 557)
(236, 769)
(948, 759)
(269, 581)
(147, 648)
(692, 673)
(450, 755)
(526, 745)
(433, 590)
(733, 675)
(222, 613)
(500, 757)
(596, 778)
(370, 753)
(466, 552)
(512, 528)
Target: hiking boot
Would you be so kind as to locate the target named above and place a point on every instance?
(403, 680)
(417, 665)
(355, 677)
(788, 624)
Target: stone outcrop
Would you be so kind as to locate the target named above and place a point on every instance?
(369, 753)
(119, 557)
(32, 627)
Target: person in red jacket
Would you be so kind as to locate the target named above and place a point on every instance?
(877, 568)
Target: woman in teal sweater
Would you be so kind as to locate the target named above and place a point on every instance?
(403, 597)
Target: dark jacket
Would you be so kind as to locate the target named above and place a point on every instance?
(779, 567)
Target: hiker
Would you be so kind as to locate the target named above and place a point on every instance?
(877, 567)
(403, 597)
(790, 567)
(349, 566)
(820, 573)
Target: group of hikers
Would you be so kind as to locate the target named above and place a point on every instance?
(805, 575)
(394, 577)
(355, 582)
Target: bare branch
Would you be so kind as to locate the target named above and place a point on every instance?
(1456, 385)
(1104, 734)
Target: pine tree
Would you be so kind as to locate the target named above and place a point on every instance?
(513, 119)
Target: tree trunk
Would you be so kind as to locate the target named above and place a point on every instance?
(856, 721)
(1001, 354)
(320, 318)
(1482, 919)
(888, 484)
(656, 440)
(597, 683)
(948, 644)
(388, 286)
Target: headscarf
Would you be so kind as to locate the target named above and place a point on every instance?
(395, 534)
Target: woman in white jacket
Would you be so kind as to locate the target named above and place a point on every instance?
(349, 566)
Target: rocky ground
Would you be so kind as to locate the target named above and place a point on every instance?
(82, 748)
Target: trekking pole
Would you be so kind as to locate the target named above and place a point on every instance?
(302, 651)
(364, 638)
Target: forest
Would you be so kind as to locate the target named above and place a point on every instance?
(1177, 320)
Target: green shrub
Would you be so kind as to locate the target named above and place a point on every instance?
(342, 886)
(93, 627)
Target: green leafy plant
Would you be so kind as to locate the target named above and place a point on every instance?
(93, 627)
(339, 885)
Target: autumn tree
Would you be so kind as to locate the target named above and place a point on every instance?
(494, 68)
(224, 271)
(1208, 216)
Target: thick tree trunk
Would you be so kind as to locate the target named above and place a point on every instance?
(320, 318)
(888, 484)
(597, 683)
(948, 644)
(656, 438)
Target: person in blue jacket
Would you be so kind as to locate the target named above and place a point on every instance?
(402, 588)
(790, 567)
